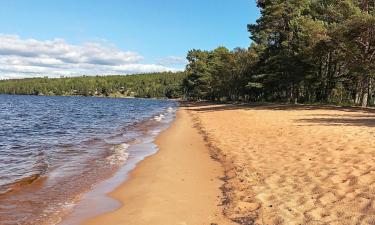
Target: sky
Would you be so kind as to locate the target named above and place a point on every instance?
(99, 37)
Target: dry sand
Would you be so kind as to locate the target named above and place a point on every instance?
(179, 185)
(282, 164)
(294, 165)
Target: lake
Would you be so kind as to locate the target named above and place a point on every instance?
(55, 149)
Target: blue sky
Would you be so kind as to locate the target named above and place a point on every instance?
(155, 31)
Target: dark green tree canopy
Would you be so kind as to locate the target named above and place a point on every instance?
(302, 51)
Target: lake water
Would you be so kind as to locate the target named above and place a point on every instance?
(55, 149)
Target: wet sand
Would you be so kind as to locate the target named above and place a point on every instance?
(179, 185)
(281, 165)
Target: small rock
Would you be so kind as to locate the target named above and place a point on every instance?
(243, 207)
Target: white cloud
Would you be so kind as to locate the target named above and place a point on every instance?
(173, 61)
(33, 58)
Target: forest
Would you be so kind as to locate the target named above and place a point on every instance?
(154, 85)
(302, 51)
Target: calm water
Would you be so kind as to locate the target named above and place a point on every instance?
(54, 149)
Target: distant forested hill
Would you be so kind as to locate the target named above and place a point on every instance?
(154, 85)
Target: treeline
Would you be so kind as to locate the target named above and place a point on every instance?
(154, 85)
(302, 51)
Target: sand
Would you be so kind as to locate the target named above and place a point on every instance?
(281, 165)
(179, 185)
(294, 164)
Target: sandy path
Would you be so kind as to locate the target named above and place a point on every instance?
(177, 186)
(295, 165)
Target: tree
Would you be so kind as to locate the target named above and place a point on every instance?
(355, 35)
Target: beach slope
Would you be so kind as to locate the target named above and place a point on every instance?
(179, 185)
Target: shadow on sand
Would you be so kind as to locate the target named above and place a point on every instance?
(340, 116)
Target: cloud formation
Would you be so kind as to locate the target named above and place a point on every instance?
(173, 61)
(33, 58)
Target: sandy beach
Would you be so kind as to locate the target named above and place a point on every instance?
(294, 164)
(279, 165)
(179, 185)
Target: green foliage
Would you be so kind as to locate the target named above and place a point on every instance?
(156, 85)
(302, 51)
(217, 74)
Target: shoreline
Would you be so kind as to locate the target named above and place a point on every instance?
(253, 164)
(179, 184)
(71, 150)
(97, 201)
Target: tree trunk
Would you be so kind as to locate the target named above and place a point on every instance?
(358, 91)
(357, 98)
(370, 91)
(365, 93)
(365, 100)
